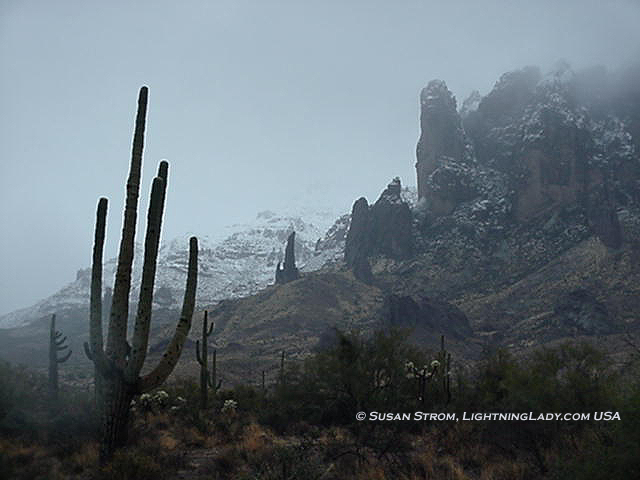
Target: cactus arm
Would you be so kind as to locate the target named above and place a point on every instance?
(103, 364)
(172, 354)
(65, 358)
(143, 318)
(95, 309)
(210, 329)
(116, 339)
(163, 173)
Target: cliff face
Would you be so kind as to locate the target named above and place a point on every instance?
(443, 152)
(533, 145)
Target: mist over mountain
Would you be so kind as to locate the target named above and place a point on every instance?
(523, 231)
(238, 262)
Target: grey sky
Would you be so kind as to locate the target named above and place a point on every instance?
(256, 104)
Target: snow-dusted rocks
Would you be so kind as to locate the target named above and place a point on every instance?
(238, 263)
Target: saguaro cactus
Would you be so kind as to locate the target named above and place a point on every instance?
(445, 359)
(56, 344)
(202, 356)
(118, 365)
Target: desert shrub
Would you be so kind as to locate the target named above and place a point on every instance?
(285, 461)
(248, 398)
(74, 423)
(8, 394)
(611, 449)
(184, 404)
(350, 375)
(23, 400)
(569, 378)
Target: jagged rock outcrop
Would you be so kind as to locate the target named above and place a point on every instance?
(358, 235)
(391, 224)
(385, 228)
(288, 271)
(443, 155)
(531, 147)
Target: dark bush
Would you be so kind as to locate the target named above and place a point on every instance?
(352, 374)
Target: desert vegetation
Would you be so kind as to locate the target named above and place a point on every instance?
(303, 425)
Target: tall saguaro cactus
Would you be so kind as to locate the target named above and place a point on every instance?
(56, 344)
(202, 356)
(118, 365)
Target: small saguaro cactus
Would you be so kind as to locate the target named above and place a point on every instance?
(56, 344)
(118, 365)
(202, 356)
(445, 360)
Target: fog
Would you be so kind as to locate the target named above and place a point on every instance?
(256, 105)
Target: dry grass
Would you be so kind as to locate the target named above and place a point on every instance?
(165, 444)
(256, 438)
(506, 470)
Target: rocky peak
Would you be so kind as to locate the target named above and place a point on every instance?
(470, 104)
(534, 144)
(385, 228)
(358, 235)
(391, 224)
(288, 272)
(392, 193)
(442, 152)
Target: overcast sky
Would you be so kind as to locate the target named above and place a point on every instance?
(256, 104)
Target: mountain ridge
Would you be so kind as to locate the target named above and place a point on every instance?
(524, 232)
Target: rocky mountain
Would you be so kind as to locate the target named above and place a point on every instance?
(528, 213)
(524, 231)
(239, 262)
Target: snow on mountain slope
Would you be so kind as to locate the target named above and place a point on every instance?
(236, 262)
